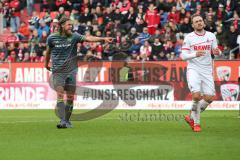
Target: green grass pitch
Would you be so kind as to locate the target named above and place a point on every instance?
(32, 135)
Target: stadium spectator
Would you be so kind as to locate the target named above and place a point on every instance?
(220, 37)
(140, 23)
(145, 51)
(172, 56)
(158, 35)
(12, 57)
(168, 35)
(144, 35)
(15, 8)
(162, 56)
(60, 13)
(231, 38)
(125, 45)
(3, 50)
(34, 21)
(230, 6)
(44, 5)
(30, 7)
(132, 34)
(21, 50)
(5, 11)
(125, 7)
(210, 23)
(23, 31)
(2, 56)
(47, 18)
(182, 15)
(168, 48)
(54, 26)
(221, 14)
(43, 28)
(185, 27)
(61, 3)
(178, 47)
(135, 46)
(156, 48)
(152, 18)
(174, 15)
(34, 57)
(130, 17)
(86, 16)
(26, 57)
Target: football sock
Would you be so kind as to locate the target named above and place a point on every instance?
(194, 109)
(197, 120)
(203, 105)
(68, 109)
(195, 112)
(60, 109)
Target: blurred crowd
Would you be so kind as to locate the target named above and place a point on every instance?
(143, 29)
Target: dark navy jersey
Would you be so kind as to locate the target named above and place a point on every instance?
(64, 51)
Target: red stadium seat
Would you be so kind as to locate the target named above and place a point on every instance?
(53, 14)
(42, 14)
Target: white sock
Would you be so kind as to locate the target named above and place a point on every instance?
(202, 105)
(197, 114)
(194, 110)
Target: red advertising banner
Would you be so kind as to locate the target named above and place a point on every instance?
(168, 71)
(28, 82)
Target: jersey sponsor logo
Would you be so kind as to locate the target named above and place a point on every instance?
(4, 75)
(62, 45)
(229, 92)
(223, 73)
(202, 47)
(59, 44)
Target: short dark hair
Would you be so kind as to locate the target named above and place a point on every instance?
(195, 15)
(63, 19)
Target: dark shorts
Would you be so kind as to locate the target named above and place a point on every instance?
(65, 80)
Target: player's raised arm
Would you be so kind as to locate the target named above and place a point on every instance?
(97, 39)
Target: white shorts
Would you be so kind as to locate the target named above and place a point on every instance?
(200, 82)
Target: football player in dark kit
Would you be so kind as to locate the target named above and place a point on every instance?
(62, 49)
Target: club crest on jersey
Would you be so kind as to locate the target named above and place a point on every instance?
(4, 74)
(229, 92)
(223, 73)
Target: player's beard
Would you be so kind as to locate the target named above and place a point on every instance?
(68, 32)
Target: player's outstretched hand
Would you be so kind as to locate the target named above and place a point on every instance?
(108, 39)
(200, 53)
(216, 51)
